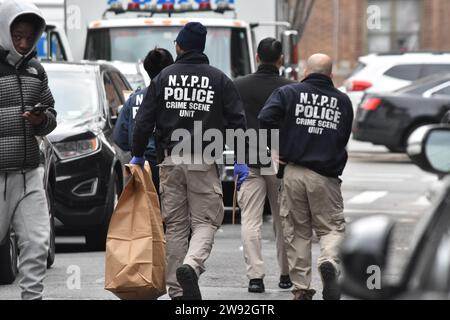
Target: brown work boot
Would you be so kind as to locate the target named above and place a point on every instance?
(303, 294)
(188, 280)
(331, 290)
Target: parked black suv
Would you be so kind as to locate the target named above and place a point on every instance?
(8, 246)
(89, 176)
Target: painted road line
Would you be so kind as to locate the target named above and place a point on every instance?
(368, 179)
(422, 201)
(380, 211)
(367, 197)
(385, 175)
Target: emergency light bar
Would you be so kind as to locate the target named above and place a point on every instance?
(170, 6)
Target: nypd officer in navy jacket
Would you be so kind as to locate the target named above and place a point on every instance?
(315, 121)
(185, 94)
(155, 61)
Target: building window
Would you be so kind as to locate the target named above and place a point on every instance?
(393, 25)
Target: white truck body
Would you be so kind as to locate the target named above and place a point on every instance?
(80, 13)
(229, 43)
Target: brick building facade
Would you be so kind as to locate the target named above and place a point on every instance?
(348, 29)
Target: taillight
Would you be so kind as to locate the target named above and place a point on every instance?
(371, 104)
(358, 85)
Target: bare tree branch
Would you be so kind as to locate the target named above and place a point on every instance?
(299, 12)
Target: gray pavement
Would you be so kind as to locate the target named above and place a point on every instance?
(375, 182)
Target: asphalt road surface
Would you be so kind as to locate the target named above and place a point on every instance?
(375, 182)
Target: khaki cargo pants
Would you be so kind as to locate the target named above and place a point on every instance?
(191, 204)
(252, 198)
(310, 202)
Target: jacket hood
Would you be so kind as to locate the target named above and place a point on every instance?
(10, 10)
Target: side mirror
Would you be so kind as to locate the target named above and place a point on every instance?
(429, 148)
(363, 254)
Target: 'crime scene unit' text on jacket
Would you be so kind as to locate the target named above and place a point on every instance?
(187, 91)
(315, 122)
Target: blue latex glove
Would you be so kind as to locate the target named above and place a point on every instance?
(241, 171)
(140, 161)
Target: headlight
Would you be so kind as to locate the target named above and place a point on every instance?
(74, 149)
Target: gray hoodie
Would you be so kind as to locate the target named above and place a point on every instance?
(23, 84)
(10, 10)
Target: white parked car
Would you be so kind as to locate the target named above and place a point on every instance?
(389, 72)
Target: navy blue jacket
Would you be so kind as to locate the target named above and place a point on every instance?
(186, 92)
(124, 129)
(315, 122)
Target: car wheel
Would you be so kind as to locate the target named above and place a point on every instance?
(96, 239)
(8, 259)
(52, 244)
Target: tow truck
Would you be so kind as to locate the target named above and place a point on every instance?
(124, 41)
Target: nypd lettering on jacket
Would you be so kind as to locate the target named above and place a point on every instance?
(315, 121)
(317, 112)
(124, 128)
(189, 94)
(138, 102)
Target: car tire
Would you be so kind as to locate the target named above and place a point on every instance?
(96, 239)
(9, 253)
(52, 243)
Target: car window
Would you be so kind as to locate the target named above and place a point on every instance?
(423, 85)
(358, 68)
(225, 47)
(444, 91)
(57, 51)
(120, 85)
(430, 69)
(408, 72)
(113, 98)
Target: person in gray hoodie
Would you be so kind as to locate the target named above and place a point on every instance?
(23, 85)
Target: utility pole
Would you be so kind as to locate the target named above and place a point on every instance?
(65, 16)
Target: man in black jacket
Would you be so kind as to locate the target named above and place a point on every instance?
(315, 121)
(24, 84)
(184, 100)
(255, 89)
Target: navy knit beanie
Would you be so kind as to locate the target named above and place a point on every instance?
(192, 37)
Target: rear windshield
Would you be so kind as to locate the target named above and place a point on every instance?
(226, 48)
(412, 72)
(425, 84)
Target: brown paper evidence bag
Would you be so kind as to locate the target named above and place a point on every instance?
(135, 246)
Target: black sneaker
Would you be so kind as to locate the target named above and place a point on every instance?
(188, 280)
(256, 286)
(331, 290)
(285, 282)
